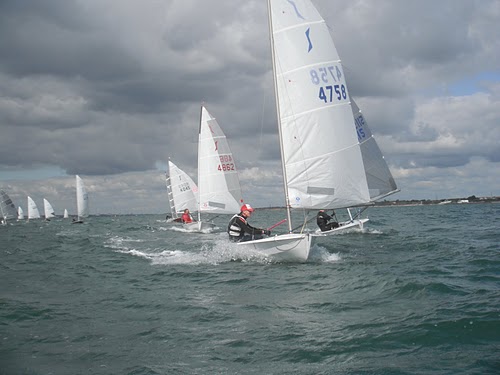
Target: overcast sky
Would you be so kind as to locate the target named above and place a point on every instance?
(111, 89)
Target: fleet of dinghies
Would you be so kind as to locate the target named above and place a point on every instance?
(8, 210)
(329, 157)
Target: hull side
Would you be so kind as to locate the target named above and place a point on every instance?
(286, 247)
(346, 226)
(199, 226)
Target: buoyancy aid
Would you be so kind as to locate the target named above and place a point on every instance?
(235, 229)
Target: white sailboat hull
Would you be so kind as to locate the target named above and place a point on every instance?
(199, 226)
(344, 227)
(286, 247)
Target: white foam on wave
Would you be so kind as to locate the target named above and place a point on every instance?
(216, 250)
(321, 254)
(184, 230)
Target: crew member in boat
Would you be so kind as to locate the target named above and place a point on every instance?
(323, 221)
(186, 217)
(239, 230)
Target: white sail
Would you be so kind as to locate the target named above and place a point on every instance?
(33, 212)
(7, 208)
(48, 210)
(82, 199)
(182, 191)
(66, 215)
(218, 181)
(20, 213)
(322, 159)
(379, 177)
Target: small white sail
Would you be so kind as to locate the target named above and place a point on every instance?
(7, 208)
(182, 191)
(48, 210)
(82, 199)
(66, 215)
(218, 181)
(20, 213)
(379, 177)
(33, 212)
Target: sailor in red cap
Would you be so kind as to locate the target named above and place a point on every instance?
(239, 230)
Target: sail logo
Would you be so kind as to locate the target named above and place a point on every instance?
(309, 40)
(295, 8)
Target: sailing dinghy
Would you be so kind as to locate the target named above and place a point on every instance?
(7, 208)
(378, 176)
(219, 190)
(48, 210)
(82, 201)
(33, 212)
(182, 192)
(320, 154)
(20, 213)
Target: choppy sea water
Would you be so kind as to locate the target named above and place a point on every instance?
(417, 292)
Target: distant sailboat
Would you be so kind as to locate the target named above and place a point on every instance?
(20, 213)
(182, 191)
(48, 210)
(7, 208)
(33, 212)
(218, 182)
(378, 176)
(82, 200)
(66, 215)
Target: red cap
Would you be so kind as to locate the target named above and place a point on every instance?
(246, 207)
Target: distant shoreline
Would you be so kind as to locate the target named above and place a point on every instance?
(423, 202)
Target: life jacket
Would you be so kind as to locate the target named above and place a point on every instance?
(234, 229)
(186, 218)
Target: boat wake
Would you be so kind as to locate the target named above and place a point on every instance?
(217, 250)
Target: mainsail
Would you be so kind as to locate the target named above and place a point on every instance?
(7, 208)
(20, 213)
(33, 212)
(218, 181)
(182, 191)
(323, 165)
(82, 198)
(48, 210)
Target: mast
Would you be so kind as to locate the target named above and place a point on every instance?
(285, 185)
(199, 150)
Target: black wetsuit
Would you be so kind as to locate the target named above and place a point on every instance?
(322, 219)
(239, 230)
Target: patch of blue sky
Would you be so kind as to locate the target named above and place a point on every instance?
(32, 174)
(473, 84)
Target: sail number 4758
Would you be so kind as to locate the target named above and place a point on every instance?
(330, 74)
(326, 93)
